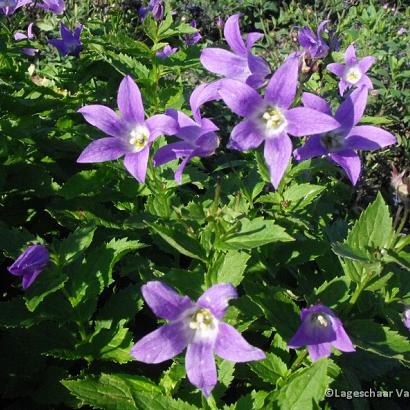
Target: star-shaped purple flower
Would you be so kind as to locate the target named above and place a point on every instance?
(314, 44)
(320, 331)
(29, 36)
(198, 139)
(70, 43)
(192, 39)
(166, 51)
(353, 72)
(340, 145)
(270, 119)
(240, 64)
(30, 264)
(8, 7)
(54, 6)
(197, 326)
(130, 135)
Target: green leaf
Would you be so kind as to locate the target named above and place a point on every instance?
(231, 267)
(305, 389)
(300, 196)
(270, 369)
(76, 243)
(254, 233)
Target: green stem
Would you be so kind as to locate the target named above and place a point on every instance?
(359, 289)
(402, 223)
(299, 360)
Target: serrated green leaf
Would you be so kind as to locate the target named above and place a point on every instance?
(300, 196)
(270, 369)
(76, 243)
(232, 267)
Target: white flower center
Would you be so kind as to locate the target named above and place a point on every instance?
(320, 319)
(353, 74)
(272, 121)
(138, 138)
(332, 141)
(202, 325)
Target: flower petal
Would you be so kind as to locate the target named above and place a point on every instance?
(277, 152)
(201, 95)
(239, 97)
(245, 136)
(230, 345)
(365, 81)
(311, 148)
(318, 351)
(216, 298)
(172, 151)
(350, 162)
(233, 35)
(281, 89)
(103, 149)
(66, 34)
(161, 124)
(130, 102)
(103, 118)
(305, 121)
(337, 69)
(316, 103)
(252, 38)
(164, 301)
(365, 63)
(259, 68)
(368, 137)
(342, 341)
(181, 167)
(343, 86)
(352, 109)
(181, 118)
(225, 63)
(200, 366)
(350, 55)
(136, 163)
(311, 334)
(161, 344)
(59, 45)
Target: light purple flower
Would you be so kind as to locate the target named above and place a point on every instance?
(166, 51)
(191, 39)
(401, 31)
(8, 7)
(269, 119)
(240, 64)
(130, 135)
(154, 6)
(320, 331)
(54, 6)
(197, 326)
(220, 22)
(30, 264)
(70, 43)
(406, 317)
(314, 44)
(198, 139)
(340, 145)
(29, 36)
(353, 72)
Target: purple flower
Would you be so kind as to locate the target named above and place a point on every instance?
(340, 145)
(191, 39)
(29, 36)
(220, 22)
(319, 331)
(154, 6)
(314, 44)
(353, 72)
(166, 52)
(30, 264)
(130, 134)
(198, 139)
(240, 64)
(269, 119)
(401, 31)
(70, 43)
(406, 318)
(8, 7)
(198, 326)
(54, 6)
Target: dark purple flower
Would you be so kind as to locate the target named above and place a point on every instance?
(319, 331)
(166, 52)
(353, 72)
(198, 139)
(240, 64)
(406, 318)
(270, 119)
(29, 36)
(340, 145)
(156, 7)
(197, 326)
(8, 7)
(130, 135)
(191, 39)
(314, 44)
(54, 6)
(70, 43)
(30, 264)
